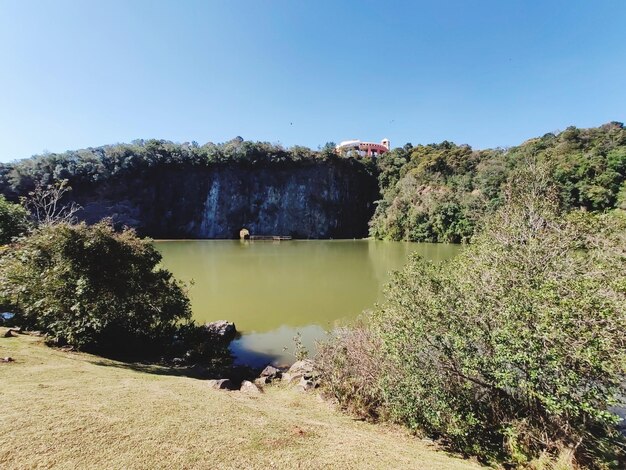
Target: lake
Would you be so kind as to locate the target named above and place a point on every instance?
(275, 290)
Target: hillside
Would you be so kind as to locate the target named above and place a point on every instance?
(434, 193)
(73, 410)
(439, 192)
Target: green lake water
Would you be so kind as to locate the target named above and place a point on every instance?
(274, 290)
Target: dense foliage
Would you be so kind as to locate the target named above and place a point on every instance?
(436, 192)
(439, 192)
(512, 351)
(13, 220)
(91, 287)
(95, 165)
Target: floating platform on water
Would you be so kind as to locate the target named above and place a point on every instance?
(269, 237)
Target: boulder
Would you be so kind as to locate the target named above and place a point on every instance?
(304, 368)
(302, 374)
(260, 381)
(272, 373)
(221, 384)
(8, 359)
(250, 388)
(221, 329)
(306, 384)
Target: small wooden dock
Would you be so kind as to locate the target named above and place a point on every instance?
(269, 237)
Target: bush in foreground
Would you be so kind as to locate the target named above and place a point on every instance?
(514, 350)
(13, 220)
(92, 287)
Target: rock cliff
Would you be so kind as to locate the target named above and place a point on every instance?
(325, 199)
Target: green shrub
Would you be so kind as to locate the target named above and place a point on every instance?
(350, 367)
(100, 164)
(514, 349)
(13, 220)
(92, 288)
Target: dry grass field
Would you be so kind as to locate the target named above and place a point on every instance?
(73, 410)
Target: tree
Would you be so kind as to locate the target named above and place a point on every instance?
(514, 350)
(45, 203)
(588, 165)
(93, 288)
(13, 220)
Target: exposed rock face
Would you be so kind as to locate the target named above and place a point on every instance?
(326, 199)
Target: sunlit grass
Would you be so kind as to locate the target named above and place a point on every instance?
(72, 410)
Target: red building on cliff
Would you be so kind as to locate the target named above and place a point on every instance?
(364, 149)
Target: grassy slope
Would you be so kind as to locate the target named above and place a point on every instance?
(71, 410)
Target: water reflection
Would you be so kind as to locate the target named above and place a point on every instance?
(276, 346)
(272, 290)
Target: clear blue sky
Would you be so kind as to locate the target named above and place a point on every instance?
(75, 74)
